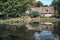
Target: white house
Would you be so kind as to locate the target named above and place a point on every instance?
(44, 11)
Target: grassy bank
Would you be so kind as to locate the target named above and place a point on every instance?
(20, 21)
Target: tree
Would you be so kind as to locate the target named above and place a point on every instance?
(45, 5)
(39, 3)
(56, 4)
(34, 14)
(15, 7)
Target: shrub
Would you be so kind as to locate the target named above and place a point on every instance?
(34, 14)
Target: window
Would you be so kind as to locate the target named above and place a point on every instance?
(46, 10)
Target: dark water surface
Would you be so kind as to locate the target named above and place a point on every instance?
(13, 32)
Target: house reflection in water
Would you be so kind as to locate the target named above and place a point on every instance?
(42, 26)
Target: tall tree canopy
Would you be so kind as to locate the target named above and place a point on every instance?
(15, 7)
(39, 3)
(56, 4)
(45, 5)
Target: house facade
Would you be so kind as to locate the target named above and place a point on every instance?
(44, 11)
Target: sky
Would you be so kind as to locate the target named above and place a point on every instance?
(45, 2)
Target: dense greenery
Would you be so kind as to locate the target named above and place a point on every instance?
(15, 7)
(8, 32)
(34, 14)
(56, 4)
(39, 3)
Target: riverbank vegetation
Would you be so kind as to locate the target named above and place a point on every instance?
(18, 21)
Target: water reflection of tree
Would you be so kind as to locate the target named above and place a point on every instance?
(57, 28)
(8, 32)
(35, 24)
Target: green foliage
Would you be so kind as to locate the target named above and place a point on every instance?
(15, 7)
(39, 3)
(45, 5)
(56, 4)
(34, 14)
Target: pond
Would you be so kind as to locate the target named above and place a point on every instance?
(45, 35)
(31, 31)
(48, 30)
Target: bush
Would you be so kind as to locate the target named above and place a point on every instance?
(34, 14)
